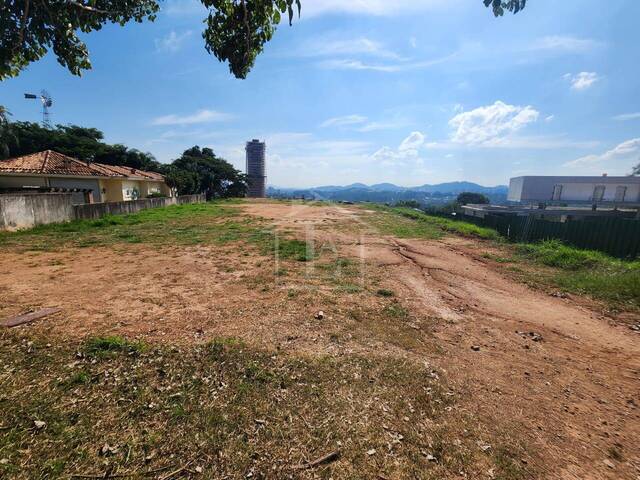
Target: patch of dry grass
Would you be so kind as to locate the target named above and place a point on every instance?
(228, 410)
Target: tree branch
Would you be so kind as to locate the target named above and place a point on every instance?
(23, 23)
(87, 8)
(248, 28)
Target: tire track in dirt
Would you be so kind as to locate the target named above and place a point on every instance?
(573, 396)
(577, 391)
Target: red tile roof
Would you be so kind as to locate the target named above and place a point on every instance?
(54, 163)
(132, 172)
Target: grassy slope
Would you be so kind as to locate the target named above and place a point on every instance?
(586, 271)
(215, 223)
(409, 223)
(572, 269)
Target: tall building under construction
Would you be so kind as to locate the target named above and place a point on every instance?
(256, 169)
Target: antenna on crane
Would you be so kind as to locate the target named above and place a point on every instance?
(47, 102)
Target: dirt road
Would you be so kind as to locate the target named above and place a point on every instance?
(574, 393)
(552, 373)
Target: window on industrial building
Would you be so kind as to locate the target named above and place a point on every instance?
(598, 193)
(557, 192)
(621, 192)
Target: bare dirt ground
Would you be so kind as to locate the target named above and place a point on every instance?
(573, 397)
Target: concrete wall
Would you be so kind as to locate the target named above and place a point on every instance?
(29, 210)
(99, 210)
(20, 211)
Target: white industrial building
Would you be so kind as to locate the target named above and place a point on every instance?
(604, 190)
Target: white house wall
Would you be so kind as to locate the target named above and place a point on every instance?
(104, 189)
(574, 189)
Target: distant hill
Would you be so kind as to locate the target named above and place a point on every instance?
(459, 187)
(390, 193)
(387, 187)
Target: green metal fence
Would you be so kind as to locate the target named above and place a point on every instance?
(619, 237)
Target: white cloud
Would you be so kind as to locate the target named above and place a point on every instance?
(627, 151)
(328, 47)
(627, 116)
(565, 43)
(384, 125)
(172, 42)
(343, 121)
(372, 7)
(362, 124)
(549, 118)
(412, 142)
(582, 81)
(182, 135)
(624, 149)
(201, 116)
(408, 152)
(400, 66)
(345, 64)
(361, 53)
(486, 125)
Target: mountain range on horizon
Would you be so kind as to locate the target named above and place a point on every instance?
(445, 188)
(389, 193)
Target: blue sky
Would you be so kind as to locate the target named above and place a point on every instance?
(409, 91)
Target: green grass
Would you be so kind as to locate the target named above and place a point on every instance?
(448, 225)
(587, 271)
(554, 253)
(395, 310)
(408, 223)
(497, 258)
(216, 223)
(106, 346)
(349, 288)
(177, 224)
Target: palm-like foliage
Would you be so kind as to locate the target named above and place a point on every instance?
(7, 138)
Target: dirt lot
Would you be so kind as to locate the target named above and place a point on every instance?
(552, 374)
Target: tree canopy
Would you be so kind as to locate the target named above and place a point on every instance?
(195, 171)
(77, 142)
(466, 198)
(6, 133)
(201, 171)
(236, 30)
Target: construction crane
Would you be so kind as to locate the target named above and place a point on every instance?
(46, 101)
